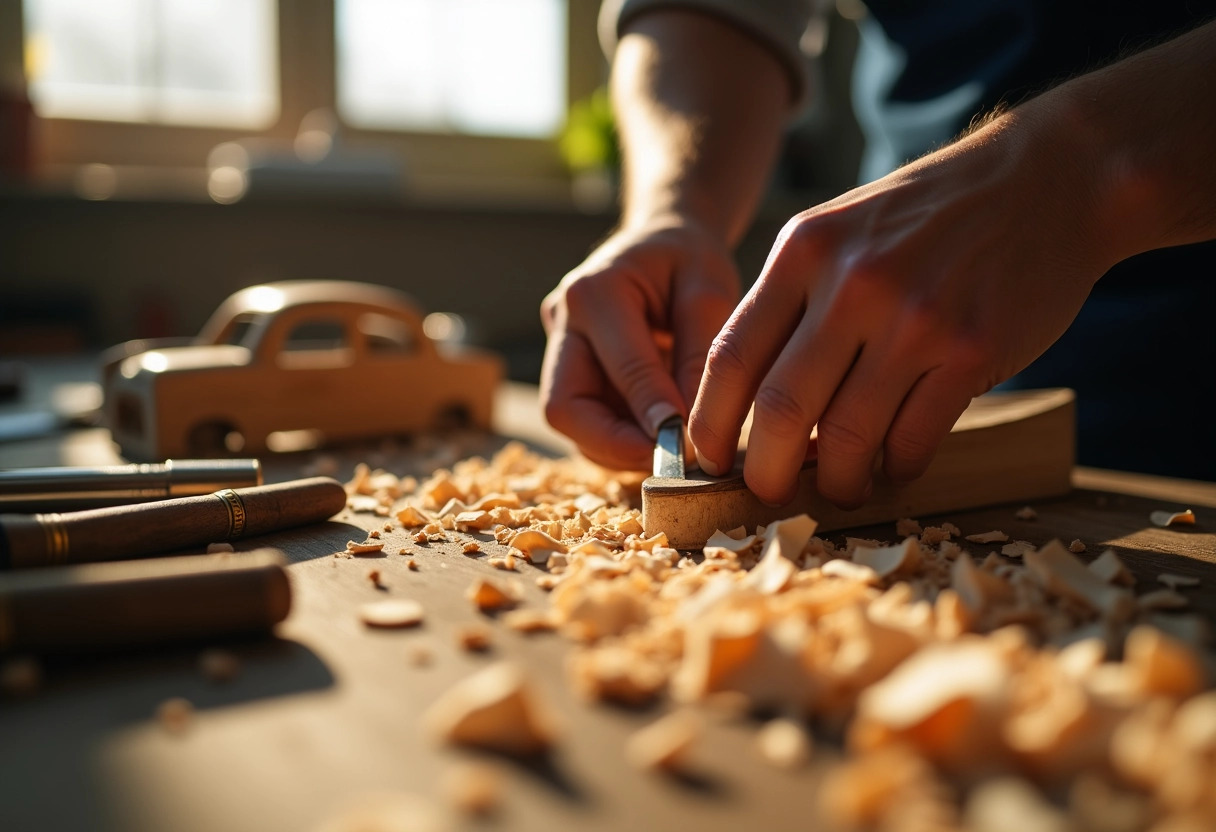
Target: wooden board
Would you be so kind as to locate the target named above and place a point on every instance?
(1005, 447)
(329, 711)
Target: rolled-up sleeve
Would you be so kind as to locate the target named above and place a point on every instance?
(777, 24)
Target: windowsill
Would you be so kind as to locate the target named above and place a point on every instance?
(189, 185)
(591, 196)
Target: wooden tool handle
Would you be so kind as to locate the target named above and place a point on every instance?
(143, 602)
(137, 530)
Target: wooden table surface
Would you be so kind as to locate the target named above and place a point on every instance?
(327, 712)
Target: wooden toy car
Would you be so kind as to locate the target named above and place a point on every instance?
(290, 365)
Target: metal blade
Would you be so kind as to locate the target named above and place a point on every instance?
(669, 449)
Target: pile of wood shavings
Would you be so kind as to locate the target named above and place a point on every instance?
(954, 683)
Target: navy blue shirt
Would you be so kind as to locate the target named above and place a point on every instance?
(1142, 352)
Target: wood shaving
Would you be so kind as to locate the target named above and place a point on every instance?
(988, 537)
(374, 534)
(784, 743)
(175, 715)
(1175, 518)
(664, 744)
(489, 596)
(940, 671)
(1026, 513)
(471, 548)
(1111, 569)
(412, 565)
(494, 709)
(1076, 547)
(1174, 581)
(474, 789)
(420, 537)
(474, 639)
(392, 613)
(219, 666)
(529, 621)
(1017, 548)
(420, 655)
(1162, 599)
(365, 548)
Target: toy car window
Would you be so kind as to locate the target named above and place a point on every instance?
(237, 331)
(387, 335)
(316, 335)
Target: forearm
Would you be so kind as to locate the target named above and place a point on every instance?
(700, 111)
(1149, 125)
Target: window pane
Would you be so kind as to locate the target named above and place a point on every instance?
(486, 67)
(170, 61)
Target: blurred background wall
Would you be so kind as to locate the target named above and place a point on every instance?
(157, 155)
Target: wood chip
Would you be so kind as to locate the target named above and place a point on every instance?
(489, 596)
(784, 743)
(412, 565)
(364, 548)
(988, 537)
(1162, 599)
(529, 621)
(175, 715)
(663, 745)
(474, 638)
(471, 548)
(1076, 547)
(1175, 518)
(473, 788)
(1109, 568)
(420, 655)
(494, 709)
(392, 613)
(218, 665)
(1017, 549)
(1026, 513)
(907, 526)
(1174, 581)
(373, 575)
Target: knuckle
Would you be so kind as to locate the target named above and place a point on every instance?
(634, 375)
(843, 439)
(910, 449)
(581, 298)
(556, 414)
(725, 360)
(780, 412)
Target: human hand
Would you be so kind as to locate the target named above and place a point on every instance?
(880, 314)
(628, 331)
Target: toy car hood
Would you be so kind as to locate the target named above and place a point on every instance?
(177, 359)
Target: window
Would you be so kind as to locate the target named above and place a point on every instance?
(484, 67)
(468, 94)
(156, 61)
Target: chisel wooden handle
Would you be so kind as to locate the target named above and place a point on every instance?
(156, 600)
(134, 531)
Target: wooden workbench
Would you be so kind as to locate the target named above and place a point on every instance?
(327, 712)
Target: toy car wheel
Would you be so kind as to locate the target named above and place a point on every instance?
(214, 439)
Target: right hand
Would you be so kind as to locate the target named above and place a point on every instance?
(628, 333)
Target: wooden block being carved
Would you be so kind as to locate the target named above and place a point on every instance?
(1006, 447)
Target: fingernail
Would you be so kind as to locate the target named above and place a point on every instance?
(659, 413)
(707, 465)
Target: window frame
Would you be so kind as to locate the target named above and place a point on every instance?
(436, 162)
